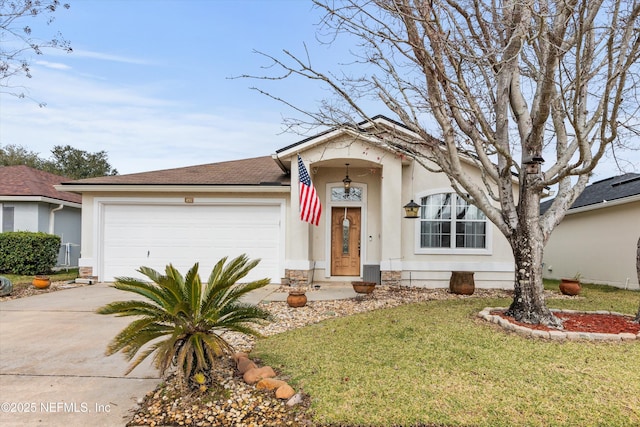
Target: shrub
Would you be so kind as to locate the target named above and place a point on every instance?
(28, 253)
(190, 317)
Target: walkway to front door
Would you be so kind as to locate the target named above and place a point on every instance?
(345, 241)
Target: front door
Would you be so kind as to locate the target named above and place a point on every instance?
(345, 241)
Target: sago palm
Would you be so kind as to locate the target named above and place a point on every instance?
(181, 322)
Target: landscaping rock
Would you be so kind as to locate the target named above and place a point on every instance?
(295, 400)
(238, 356)
(245, 364)
(269, 384)
(6, 287)
(254, 375)
(285, 392)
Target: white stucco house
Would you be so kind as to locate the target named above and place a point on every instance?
(29, 202)
(598, 237)
(202, 213)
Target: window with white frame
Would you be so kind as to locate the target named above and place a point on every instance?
(7, 218)
(447, 221)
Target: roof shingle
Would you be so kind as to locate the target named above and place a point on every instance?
(606, 190)
(254, 171)
(22, 180)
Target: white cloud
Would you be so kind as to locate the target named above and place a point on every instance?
(53, 65)
(109, 57)
(139, 130)
(142, 128)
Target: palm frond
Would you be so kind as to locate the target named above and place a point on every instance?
(239, 290)
(132, 308)
(217, 270)
(169, 283)
(222, 286)
(191, 319)
(136, 335)
(141, 357)
(145, 289)
(193, 290)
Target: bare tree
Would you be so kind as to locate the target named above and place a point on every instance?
(18, 40)
(502, 83)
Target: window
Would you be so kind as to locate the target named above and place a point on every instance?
(338, 194)
(7, 218)
(441, 228)
(345, 235)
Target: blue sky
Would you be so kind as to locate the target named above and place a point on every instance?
(149, 82)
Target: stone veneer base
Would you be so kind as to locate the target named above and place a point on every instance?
(557, 335)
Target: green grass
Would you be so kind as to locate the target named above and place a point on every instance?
(61, 276)
(436, 363)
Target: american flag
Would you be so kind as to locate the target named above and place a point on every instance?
(310, 207)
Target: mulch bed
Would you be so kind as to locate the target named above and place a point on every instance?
(585, 322)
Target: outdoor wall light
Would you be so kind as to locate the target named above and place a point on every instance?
(347, 181)
(411, 209)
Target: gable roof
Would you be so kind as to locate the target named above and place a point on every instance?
(22, 181)
(374, 129)
(606, 190)
(359, 127)
(255, 171)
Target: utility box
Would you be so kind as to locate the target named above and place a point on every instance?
(371, 273)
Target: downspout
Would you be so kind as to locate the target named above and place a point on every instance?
(52, 218)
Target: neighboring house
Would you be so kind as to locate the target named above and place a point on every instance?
(202, 213)
(598, 237)
(30, 202)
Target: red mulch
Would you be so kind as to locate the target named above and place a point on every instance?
(585, 322)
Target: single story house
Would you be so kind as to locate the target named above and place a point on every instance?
(598, 237)
(29, 201)
(202, 213)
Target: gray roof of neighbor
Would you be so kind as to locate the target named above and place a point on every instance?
(22, 181)
(606, 190)
(255, 171)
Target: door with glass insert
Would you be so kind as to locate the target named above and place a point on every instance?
(345, 241)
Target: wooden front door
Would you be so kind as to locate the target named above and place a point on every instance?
(345, 242)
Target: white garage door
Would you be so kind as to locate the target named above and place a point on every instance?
(156, 235)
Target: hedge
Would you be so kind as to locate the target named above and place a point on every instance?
(28, 253)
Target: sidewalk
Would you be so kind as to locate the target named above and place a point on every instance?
(323, 292)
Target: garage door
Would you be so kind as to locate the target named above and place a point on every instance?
(156, 235)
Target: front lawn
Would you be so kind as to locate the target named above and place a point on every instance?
(436, 363)
(22, 283)
(58, 276)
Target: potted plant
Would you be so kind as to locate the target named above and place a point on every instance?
(41, 281)
(571, 286)
(363, 287)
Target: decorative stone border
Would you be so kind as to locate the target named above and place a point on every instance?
(557, 335)
(264, 379)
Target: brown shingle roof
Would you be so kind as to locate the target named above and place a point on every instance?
(255, 171)
(23, 180)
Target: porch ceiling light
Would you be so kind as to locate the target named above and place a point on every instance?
(346, 181)
(411, 209)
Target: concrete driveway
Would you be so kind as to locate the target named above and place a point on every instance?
(53, 371)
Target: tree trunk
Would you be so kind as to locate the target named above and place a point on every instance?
(527, 243)
(529, 305)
